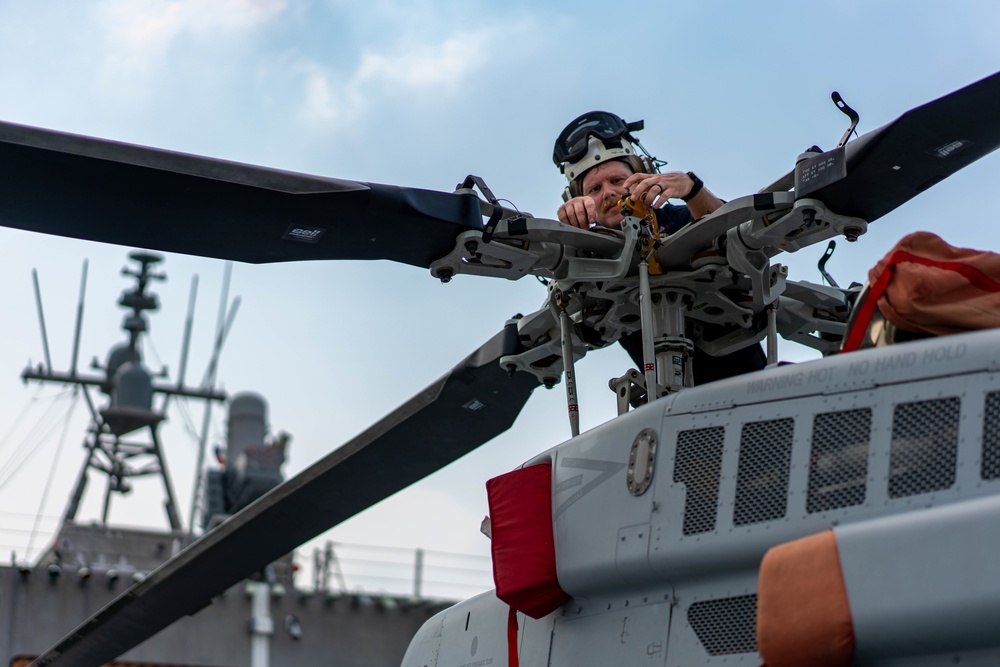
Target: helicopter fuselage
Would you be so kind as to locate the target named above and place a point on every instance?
(896, 450)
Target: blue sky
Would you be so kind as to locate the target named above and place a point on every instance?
(421, 94)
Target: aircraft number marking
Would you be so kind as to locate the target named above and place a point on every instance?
(606, 468)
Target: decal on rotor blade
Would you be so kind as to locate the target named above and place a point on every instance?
(820, 170)
(475, 405)
(606, 468)
(304, 234)
(950, 148)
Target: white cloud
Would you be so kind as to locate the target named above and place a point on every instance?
(139, 35)
(414, 72)
(152, 25)
(441, 65)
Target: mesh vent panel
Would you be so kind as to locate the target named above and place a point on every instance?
(726, 626)
(991, 437)
(698, 466)
(924, 446)
(838, 462)
(762, 475)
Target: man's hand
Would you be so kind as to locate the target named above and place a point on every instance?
(579, 211)
(655, 189)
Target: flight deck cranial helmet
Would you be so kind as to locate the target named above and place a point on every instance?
(596, 137)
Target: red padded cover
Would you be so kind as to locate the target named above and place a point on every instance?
(524, 553)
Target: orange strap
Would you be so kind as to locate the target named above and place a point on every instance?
(512, 638)
(970, 273)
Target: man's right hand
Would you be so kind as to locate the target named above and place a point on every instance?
(579, 211)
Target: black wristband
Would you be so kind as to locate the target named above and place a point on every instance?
(695, 189)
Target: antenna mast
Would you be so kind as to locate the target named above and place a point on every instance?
(112, 449)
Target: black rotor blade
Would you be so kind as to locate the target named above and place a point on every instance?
(112, 192)
(468, 406)
(887, 167)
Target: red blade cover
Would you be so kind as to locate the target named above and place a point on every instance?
(524, 554)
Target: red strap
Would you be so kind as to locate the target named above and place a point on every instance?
(864, 319)
(512, 638)
(970, 273)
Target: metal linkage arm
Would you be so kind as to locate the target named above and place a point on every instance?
(501, 258)
(565, 318)
(809, 221)
(678, 248)
(815, 315)
(560, 302)
(521, 245)
(539, 349)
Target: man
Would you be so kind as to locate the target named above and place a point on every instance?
(602, 160)
(604, 184)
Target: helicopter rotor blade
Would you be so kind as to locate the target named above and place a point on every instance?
(868, 177)
(465, 408)
(149, 198)
(888, 166)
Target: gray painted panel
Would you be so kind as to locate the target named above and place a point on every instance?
(474, 633)
(945, 356)
(686, 649)
(636, 635)
(982, 658)
(592, 503)
(924, 582)
(535, 640)
(675, 556)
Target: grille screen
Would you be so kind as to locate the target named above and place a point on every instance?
(726, 626)
(924, 446)
(838, 462)
(698, 466)
(991, 437)
(762, 475)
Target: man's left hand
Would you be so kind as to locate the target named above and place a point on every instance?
(655, 189)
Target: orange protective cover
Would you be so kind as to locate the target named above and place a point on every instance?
(803, 616)
(937, 288)
(524, 554)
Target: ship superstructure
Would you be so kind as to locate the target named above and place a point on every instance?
(265, 620)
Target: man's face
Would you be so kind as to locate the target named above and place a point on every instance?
(605, 184)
